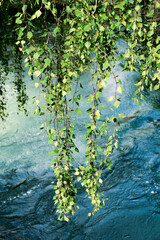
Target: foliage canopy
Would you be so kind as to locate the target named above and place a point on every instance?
(60, 39)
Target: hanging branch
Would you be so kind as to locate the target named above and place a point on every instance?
(85, 34)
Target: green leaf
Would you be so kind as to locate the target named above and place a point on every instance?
(142, 97)
(101, 28)
(72, 124)
(66, 56)
(109, 148)
(105, 152)
(156, 87)
(137, 8)
(100, 180)
(55, 150)
(116, 104)
(110, 138)
(93, 127)
(121, 115)
(139, 19)
(36, 85)
(81, 86)
(78, 13)
(134, 99)
(158, 5)
(104, 84)
(127, 54)
(38, 13)
(98, 115)
(134, 26)
(50, 154)
(98, 94)
(18, 14)
(87, 44)
(109, 165)
(37, 73)
(140, 33)
(116, 144)
(66, 218)
(76, 150)
(119, 81)
(68, 9)
(120, 89)
(56, 30)
(110, 99)
(72, 30)
(50, 141)
(36, 55)
(18, 20)
(87, 27)
(29, 35)
(99, 148)
(77, 110)
(79, 179)
(90, 98)
(150, 13)
(42, 126)
(106, 64)
(150, 33)
(47, 61)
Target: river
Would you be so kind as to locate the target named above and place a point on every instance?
(132, 186)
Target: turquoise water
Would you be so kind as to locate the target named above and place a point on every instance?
(132, 186)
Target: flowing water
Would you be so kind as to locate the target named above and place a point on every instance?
(131, 187)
